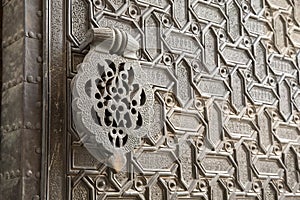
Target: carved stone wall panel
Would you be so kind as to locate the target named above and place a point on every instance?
(224, 79)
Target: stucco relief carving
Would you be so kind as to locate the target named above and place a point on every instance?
(112, 102)
(225, 78)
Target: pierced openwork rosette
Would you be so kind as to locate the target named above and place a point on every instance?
(112, 106)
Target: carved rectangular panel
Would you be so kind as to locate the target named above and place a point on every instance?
(221, 83)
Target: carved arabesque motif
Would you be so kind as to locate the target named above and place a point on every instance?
(109, 95)
(222, 80)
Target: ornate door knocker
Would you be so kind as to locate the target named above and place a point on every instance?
(112, 102)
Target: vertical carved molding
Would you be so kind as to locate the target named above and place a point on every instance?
(54, 99)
